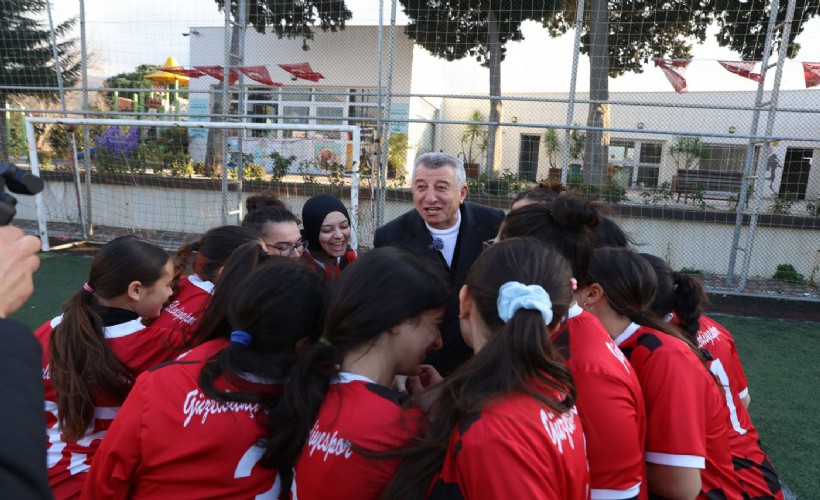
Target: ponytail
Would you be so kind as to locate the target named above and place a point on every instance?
(291, 420)
(81, 363)
(214, 323)
(519, 356)
(690, 298)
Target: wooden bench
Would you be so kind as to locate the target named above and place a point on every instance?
(706, 182)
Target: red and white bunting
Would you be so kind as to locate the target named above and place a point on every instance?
(743, 68)
(218, 72)
(674, 70)
(811, 72)
(303, 71)
(259, 74)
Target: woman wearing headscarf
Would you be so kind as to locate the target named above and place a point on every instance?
(327, 231)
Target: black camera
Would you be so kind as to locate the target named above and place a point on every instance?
(18, 181)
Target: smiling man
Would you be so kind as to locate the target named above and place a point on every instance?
(447, 230)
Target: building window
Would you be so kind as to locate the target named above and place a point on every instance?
(635, 162)
(308, 106)
(649, 163)
(725, 158)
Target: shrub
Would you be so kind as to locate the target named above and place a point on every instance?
(281, 166)
(787, 272)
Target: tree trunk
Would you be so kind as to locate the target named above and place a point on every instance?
(4, 146)
(597, 142)
(216, 138)
(494, 131)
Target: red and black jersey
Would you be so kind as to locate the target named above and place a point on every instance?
(516, 447)
(753, 467)
(139, 348)
(687, 421)
(187, 306)
(171, 441)
(610, 404)
(357, 414)
(331, 267)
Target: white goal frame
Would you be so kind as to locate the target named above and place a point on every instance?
(353, 130)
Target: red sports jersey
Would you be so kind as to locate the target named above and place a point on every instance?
(356, 412)
(754, 469)
(687, 421)
(610, 404)
(516, 447)
(171, 441)
(139, 348)
(187, 306)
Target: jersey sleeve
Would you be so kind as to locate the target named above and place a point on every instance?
(740, 384)
(614, 431)
(119, 454)
(489, 469)
(676, 416)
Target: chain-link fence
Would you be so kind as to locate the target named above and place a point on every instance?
(701, 151)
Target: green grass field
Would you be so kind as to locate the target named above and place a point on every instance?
(780, 358)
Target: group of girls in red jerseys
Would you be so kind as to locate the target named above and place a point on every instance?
(274, 371)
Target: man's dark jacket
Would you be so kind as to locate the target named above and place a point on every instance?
(408, 231)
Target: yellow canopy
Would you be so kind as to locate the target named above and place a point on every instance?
(166, 77)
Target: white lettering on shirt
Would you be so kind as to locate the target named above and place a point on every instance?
(179, 313)
(328, 443)
(707, 336)
(560, 427)
(616, 351)
(200, 405)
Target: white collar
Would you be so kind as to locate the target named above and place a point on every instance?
(201, 283)
(632, 328)
(347, 377)
(574, 310)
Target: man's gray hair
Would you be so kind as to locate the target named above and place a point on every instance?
(438, 160)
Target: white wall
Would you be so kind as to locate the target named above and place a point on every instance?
(661, 116)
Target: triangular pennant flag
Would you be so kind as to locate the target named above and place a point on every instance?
(743, 68)
(259, 74)
(189, 72)
(811, 72)
(217, 72)
(303, 71)
(674, 70)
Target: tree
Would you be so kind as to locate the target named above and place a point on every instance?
(27, 58)
(454, 29)
(688, 151)
(649, 29)
(293, 18)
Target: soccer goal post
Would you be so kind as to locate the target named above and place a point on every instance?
(169, 181)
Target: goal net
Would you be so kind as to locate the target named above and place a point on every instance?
(170, 181)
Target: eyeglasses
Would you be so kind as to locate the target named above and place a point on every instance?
(286, 249)
(487, 243)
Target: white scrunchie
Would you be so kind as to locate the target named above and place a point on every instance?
(513, 296)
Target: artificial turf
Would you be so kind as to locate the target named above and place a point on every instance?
(780, 359)
(781, 363)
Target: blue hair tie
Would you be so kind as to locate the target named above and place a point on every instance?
(513, 296)
(240, 337)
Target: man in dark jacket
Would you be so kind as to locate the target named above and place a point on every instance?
(449, 232)
(22, 419)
